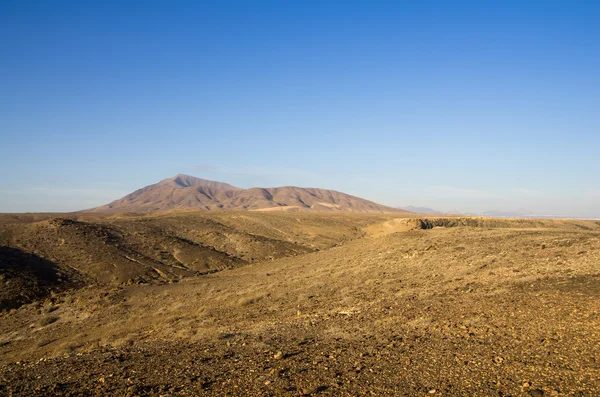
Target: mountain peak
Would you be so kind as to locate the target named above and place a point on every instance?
(183, 180)
(188, 180)
(189, 192)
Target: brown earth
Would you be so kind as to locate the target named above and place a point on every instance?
(162, 247)
(304, 304)
(184, 192)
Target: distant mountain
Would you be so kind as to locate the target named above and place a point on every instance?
(420, 210)
(187, 192)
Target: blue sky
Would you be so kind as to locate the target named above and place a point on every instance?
(456, 105)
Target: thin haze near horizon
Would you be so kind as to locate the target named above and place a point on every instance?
(468, 106)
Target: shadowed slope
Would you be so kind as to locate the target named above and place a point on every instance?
(25, 277)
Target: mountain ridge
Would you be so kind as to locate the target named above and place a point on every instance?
(187, 192)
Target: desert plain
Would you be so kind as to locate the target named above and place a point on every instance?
(271, 303)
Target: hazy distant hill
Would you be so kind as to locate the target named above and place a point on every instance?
(420, 210)
(188, 192)
(508, 214)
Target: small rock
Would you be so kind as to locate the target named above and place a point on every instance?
(278, 355)
(432, 391)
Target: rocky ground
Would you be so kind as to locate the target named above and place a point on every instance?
(375, 305)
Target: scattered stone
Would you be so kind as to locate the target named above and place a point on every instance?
(278, 355)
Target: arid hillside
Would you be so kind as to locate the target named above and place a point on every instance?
(157, 248)
(252, 304)
(188, 192)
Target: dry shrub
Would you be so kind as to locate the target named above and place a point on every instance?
(247, 300)
(48, 320)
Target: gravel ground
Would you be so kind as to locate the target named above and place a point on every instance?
(455, 311)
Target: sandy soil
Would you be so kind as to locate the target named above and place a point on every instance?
(476, 307)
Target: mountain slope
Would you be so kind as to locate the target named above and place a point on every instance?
(187, 192)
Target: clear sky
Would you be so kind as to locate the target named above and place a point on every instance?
(455, 105)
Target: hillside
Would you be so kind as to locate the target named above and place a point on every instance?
(312, 304)
(38, 257)
(184, 192)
